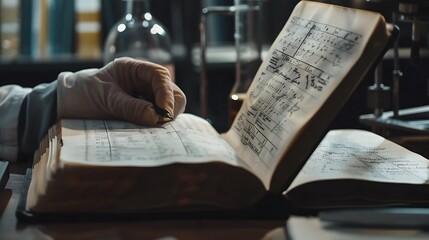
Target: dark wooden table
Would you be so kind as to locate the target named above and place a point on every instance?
(11, 228)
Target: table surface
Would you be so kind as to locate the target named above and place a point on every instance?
(11, 228)
(296, 227)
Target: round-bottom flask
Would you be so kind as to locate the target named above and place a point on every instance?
(139, 35)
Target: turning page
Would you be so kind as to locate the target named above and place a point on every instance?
(359, 154)
(315, 51)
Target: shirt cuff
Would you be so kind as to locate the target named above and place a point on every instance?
(11, 97)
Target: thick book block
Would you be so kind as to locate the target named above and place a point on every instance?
(313, 66)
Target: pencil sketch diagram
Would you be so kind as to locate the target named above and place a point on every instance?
(306, 59)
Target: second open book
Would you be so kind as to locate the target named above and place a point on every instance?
(315, 63)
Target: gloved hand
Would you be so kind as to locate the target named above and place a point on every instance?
(110, 92)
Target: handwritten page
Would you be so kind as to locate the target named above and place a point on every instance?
(358, 154)
(309, 58)
(188, 139)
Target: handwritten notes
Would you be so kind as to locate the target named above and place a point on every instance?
(357, 154)
(306, 62)
(187, 139)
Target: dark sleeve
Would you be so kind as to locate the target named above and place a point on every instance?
(38, 113)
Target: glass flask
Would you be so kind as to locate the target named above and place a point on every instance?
(248, 49)
(139, 35)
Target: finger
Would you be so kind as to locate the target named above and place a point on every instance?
(164, 96)
(150, 80)
(139, 111)
(179, 100)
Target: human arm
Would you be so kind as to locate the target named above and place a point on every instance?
(106, 93)
(11, 98)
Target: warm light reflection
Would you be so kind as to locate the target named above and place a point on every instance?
(234, 97)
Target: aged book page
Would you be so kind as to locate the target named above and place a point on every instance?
(188, 139)
(356, 168)
(362, 155)
(313, 54)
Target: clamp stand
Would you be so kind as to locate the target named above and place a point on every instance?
(408, 127)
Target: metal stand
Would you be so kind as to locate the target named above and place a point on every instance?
(409, 127)
(409, 120)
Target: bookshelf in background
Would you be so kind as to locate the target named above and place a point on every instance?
(49, 29)
(39, 20)
(9, 28)
(44, 49)
(52, 29)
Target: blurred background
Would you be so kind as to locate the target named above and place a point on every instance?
(41, 38)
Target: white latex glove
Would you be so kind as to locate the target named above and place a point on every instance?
(110, 92)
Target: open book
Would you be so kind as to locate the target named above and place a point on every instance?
(314, 64)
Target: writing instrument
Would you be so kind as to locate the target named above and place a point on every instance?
(162, 112)
(378, 217)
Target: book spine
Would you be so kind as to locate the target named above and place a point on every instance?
(61, 27)
(25, 35)
(88, 28)
(9, 28)
(38, 28)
